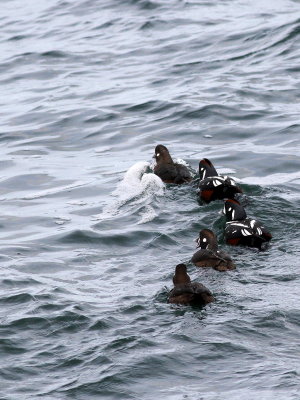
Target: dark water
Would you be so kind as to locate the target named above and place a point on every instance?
(87, 256)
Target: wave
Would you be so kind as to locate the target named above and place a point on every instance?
(53, 191)
(138, 187)
(273, 179)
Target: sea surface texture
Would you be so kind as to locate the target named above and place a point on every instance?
(90, 237)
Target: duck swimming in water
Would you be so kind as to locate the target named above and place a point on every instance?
(187, 292)
(209, 255)
(213, 186)
(241, 230)
(167, 170)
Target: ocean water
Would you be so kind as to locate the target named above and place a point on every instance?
(90, 237)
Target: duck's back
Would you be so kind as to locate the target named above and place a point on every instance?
(218, 260)
(193, 293)
(247, 232)
(218, 188)
(173, 173)
(183, 174)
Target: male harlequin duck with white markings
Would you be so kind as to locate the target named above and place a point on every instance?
(187, 292)
(241, 230)
(213, 186)
(209, 255)
(167, 170)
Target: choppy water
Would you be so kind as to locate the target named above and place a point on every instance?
(90, 238)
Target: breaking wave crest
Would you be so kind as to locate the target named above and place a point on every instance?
(139, 187)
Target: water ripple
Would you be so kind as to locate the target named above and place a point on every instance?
(90, 236)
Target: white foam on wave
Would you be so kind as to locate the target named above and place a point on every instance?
(137, 187)
(181, 161)
(273, 179)
(148, 215)
(226, 171)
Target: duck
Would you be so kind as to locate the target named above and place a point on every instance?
(167, 170)
(213, 186)
(209, 255)
(241, 230)
(186, 292)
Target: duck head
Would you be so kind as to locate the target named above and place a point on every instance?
(207, 240)
(206, 169)
(181, 277)
(234, 211)
(162, 155)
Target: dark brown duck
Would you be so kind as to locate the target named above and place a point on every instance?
(187, 292)
(209, 255)
(167, 170)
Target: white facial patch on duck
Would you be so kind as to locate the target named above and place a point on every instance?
(259, 231)
(158, 154)
(252, 223)
(233, 214)
(204, 240)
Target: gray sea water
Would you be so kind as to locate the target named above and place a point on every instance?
(90, 237)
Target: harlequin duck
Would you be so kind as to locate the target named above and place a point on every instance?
(241, 230)
(187, 292)
(213, 186)
(209, 255)
(167, 170)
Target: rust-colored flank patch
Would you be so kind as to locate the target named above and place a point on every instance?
(233, 242)
(206, 194)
